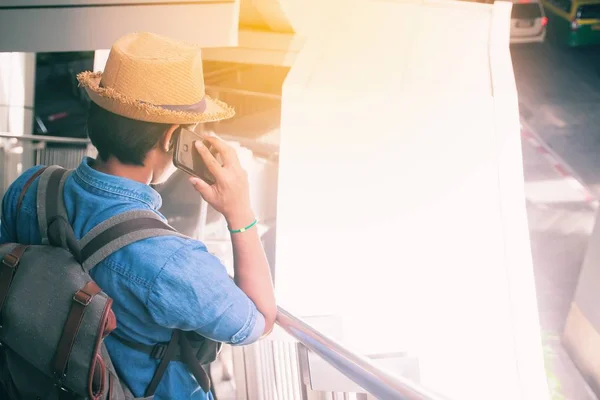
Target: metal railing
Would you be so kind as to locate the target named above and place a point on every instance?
(20, 152)
(359, 369)
(261, 150)
(49, 150)
(44, 138)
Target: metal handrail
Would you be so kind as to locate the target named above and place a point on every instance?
(357, 368)
(42, 138)
(262, 150)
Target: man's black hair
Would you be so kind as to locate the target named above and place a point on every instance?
(128, 140)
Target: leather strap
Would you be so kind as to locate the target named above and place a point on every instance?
(164, 363)
(8, 267)
(185, 353)
(25, 188)
(81, 299)
(189, 358)
(156, 351)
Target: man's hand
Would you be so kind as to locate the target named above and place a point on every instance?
(230, 194)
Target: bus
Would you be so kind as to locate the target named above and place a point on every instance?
(573, 23)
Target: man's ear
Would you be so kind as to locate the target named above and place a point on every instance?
(165, 143)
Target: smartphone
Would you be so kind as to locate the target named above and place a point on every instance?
(187, 158)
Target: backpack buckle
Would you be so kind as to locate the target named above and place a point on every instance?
(10, 260)
(82, 298)
(59, 379)
(60, 387)
(158, 351)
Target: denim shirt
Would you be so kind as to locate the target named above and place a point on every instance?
(157, 284)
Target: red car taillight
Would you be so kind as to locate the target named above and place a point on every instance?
(544, 21)
(57, 116)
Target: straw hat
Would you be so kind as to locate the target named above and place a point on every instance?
(152, 78)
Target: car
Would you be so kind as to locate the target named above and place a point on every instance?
(528, 22)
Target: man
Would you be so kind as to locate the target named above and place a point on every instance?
(150, 87)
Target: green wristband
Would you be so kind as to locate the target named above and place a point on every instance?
(243, 229)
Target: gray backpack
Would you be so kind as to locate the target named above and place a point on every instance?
(54, 317)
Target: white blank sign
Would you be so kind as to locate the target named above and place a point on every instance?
(401, 201)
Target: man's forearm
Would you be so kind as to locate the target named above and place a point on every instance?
(251, 269)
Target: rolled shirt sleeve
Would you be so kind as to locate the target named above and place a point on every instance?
(193, 292)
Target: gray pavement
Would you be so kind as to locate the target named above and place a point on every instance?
(559, 232)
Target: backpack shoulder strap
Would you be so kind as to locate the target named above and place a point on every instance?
(120, 231)
(50, 201)
(26, 187)
(22, 197)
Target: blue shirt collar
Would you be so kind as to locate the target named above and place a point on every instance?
(111, 185)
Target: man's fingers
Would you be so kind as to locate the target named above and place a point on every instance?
(202, 187)
(227, 152)
(209, 160)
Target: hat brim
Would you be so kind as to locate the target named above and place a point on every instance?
(116, 102)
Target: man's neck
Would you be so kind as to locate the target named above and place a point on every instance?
(116, 168)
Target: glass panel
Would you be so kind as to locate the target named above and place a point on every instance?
(589, 11)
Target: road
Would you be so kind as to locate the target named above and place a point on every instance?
(559, 95)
